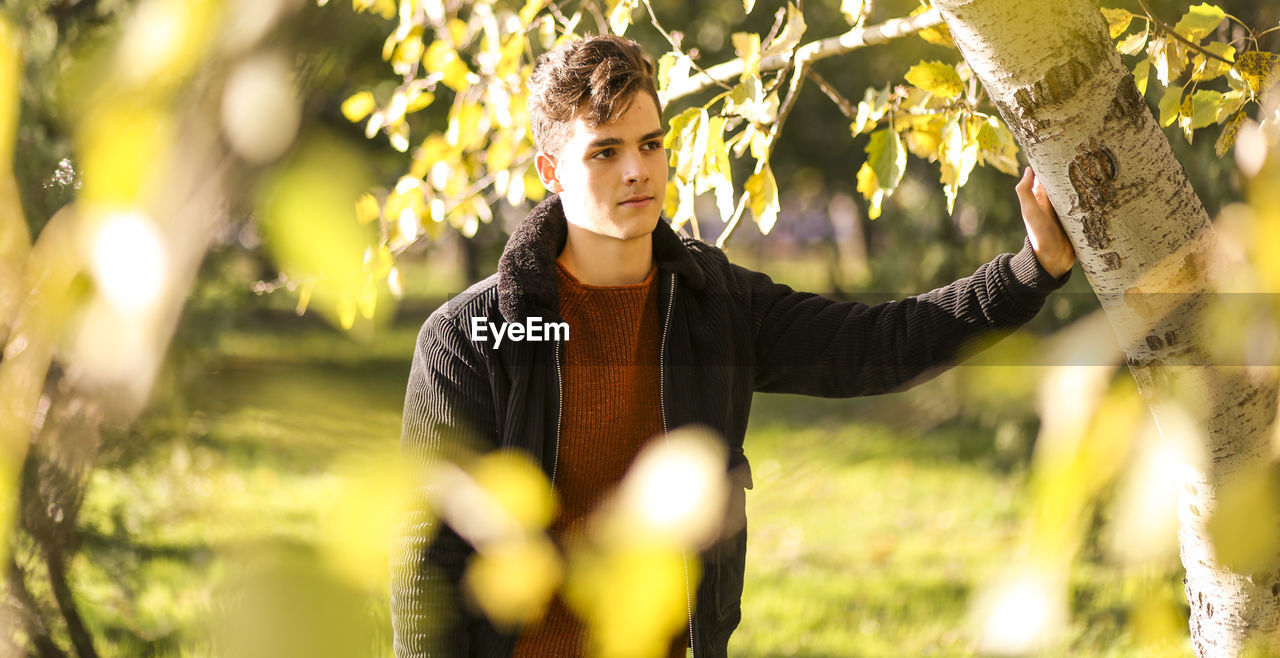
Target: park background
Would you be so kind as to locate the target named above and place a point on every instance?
(245, 510)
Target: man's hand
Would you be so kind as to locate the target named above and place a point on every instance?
(1048, 240)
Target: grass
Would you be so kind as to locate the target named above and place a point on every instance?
(869, 532)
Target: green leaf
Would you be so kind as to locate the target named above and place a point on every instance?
(1203, 108)
(763, 191)
(1169, 105)
(997, 145)
(1133, 44)
(1141, 75)
(1228, 137)
(747, 46)
(1199, 21)
(745, 98)
(1117, 20)
(887, 157)
(791, 34)
(937, 78)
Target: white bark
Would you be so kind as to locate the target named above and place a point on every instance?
(1147, 247)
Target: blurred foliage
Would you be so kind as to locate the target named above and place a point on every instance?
(234, 518)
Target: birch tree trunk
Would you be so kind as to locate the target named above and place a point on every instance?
(1147, 247)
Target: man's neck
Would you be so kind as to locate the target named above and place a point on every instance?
(597, 260)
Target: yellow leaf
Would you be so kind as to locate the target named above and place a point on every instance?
(1259, 70)
(458, 30)
(419, 101)
(367, 209)
(346, 312)
(936, 78)
(1169, 105)
(531, 9)
(763, 192)
(443, 59)
(1169, 57)
(368, 300)
(1209, 68)
(870, 189)
(358, 106)
(939, 35)
(855, 11)
(1132, 44)
(1228, 137)
(925, 135)
(748, 5)
(1142, 75)
(10, 82)
(1117, 20)
(887, 157)
(747, 47)
(791, 34)
(1202, 107)
(1199, 21)
(304, 298)
(620, 17)
(1244, 524)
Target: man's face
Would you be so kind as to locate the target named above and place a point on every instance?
(612, 178)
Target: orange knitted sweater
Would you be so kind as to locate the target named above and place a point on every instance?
(612, 406)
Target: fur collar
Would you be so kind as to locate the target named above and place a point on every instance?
(527, 269)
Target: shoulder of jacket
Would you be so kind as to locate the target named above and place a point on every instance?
(479, 300)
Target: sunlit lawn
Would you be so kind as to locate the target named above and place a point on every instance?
(866, 538)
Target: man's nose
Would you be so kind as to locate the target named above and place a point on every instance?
(634, 172)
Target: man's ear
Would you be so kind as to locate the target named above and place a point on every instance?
(546, 166)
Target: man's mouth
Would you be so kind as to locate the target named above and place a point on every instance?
(637, 202)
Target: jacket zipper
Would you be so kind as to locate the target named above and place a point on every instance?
(662, 403)
(555, 460)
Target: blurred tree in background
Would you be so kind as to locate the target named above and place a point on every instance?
(170, 159)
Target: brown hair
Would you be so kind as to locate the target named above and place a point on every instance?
(598, 76)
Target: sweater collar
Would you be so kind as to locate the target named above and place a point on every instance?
(527, 270)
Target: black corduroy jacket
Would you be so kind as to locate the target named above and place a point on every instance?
(726, 332)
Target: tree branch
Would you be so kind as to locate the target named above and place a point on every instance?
(852, 40)
(653, 18)
(836, 97)
(1167, 29)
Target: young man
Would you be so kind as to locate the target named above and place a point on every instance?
(663, 331)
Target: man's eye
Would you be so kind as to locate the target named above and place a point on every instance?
(603, 155)
(652, 146)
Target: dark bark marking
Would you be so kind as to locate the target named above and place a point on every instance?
(1275, 589)
(1127, 104)
(1154, 342)
(1059, 84)
(1111, 261)
(1195, 511)
(1092, 174)
(1208, 610)
(1170, 338)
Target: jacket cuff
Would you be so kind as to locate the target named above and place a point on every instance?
(1028, 271)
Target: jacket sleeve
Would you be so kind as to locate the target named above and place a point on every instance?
(447, 404)
(808, 344)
